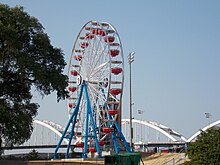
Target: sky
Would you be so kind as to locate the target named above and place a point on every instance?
(176, 71)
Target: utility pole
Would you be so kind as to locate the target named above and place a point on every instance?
(130, 60)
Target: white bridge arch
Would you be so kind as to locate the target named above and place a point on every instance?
(56, 128)
(203, 130)
(168, 132)
(159, 127)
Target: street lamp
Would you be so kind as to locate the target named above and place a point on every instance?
(130, 60)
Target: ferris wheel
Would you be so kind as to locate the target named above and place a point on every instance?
(96, 75)
(97, 58)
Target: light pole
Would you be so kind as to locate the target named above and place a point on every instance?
(140, 113)
(130, 60)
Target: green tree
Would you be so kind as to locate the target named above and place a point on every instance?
(206, 149)
(27, 61)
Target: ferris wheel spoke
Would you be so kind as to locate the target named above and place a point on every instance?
(100, 49)
(101, 76)
(102, 53)
(99, 59)
(93, 97)
(96, 102)
(89, 54)
(97, 69)
(97, 92)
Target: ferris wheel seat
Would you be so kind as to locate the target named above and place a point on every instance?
(92, 149)
(78, 57)
(109, 39)
(84, 45)
(115, 91)
(72, 105)
(101, 143)
(101, 32)
(116, 70)
(114, 52)
(74, 73)
(89, 36)
(80, 144)
(107, 130)
(94, 31)
(72, 89)
(112, 112)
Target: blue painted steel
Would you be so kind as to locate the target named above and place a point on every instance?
(70, 137)
(84, 155)
(76, 109)
(92, 121)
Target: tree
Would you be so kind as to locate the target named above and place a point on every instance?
(27, 61)
(206, 149)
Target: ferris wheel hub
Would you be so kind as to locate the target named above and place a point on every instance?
(78, 80)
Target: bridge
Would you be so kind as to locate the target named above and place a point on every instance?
(147, 134)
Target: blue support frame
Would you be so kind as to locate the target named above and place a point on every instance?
(74, 114)
(95, 129)
(90, 116)
(73, 120)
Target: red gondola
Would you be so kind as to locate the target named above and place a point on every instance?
(115, 91)
(116, 71)
(112, 112)
(94, 31)
(89, 36)
(74, 73)
(109, 39)
(84, 45)
(101, 143)
(80, 144)
(107, 130)
(92, 149)
(72, 105)
(72, 89)
(98, 31)
(101, 32)
(78, 57)
(114, 52)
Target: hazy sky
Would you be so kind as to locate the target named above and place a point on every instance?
(176, 72)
